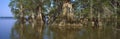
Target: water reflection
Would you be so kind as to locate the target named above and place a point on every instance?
(27, 31)
(84, 33)
(36, 30)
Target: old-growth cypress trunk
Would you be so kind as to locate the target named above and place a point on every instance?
(98, 8)
(100, 11)
(32, 16)
(91, 11)
(115, 4)
(21, 17)
(68, 11)
(39, 14)
(118, 15)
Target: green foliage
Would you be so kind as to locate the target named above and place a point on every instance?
(51, 7)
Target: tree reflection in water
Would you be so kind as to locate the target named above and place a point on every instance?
(84, 33)
(36, 30)
(23, 30)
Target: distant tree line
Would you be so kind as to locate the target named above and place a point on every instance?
(66, 11)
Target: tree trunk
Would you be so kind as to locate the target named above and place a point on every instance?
(91, 11)
(39, 15)
(21, 12)
(68, 11)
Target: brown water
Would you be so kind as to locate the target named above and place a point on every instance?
(12, 29)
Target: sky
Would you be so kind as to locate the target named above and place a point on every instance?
(4, 9)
